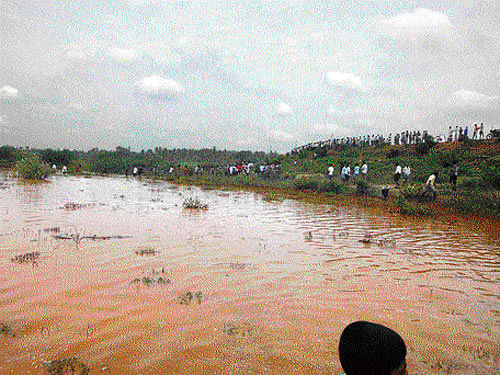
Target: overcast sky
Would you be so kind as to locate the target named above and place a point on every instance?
(255, 75)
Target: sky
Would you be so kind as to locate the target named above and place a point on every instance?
(242, 75)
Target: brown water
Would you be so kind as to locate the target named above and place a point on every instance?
(274, 297)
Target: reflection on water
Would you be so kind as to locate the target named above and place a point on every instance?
(136, 284)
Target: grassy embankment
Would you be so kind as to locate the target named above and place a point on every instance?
(478, 186)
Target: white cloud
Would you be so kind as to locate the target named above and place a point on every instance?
(419, 23)
(346, 80)
(75, 106)
(79, 53)
(160, 87)
(473, 100)
(8, 92)
(283, 109)
(334, 111)
(123, 55)
(281, 136)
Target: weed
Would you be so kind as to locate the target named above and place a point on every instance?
(146, 251)
(67, 366)
(194, 203)
(189, 297)
(148, 281)
(26, 258)
(6, 330)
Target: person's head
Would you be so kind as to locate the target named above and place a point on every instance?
(371, 349)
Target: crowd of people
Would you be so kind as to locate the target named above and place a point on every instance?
(403, 138)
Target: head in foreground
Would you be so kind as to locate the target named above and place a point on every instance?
(371, 349)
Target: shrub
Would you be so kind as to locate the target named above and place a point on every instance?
(423, 148)
(406, 208)
(412, 191)
(392, 153)
(32, 168)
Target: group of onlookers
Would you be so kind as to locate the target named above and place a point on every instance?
(460, 134)
(403, 138)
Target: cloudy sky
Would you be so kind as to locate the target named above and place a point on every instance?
(258, 75)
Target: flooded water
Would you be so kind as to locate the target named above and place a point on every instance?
(245, 287)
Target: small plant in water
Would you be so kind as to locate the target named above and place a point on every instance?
(146, 251)
(6, 330)
(194, 203)
(148, 281)
(67, 366)
(31, 167)
(189, 297)
(26, 258)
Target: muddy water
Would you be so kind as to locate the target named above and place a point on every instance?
(273, 283)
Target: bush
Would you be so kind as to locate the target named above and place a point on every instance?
(423, 148)
(412, 192)
(476, 201)
(32, 168)
(406, 208)
(361, 187)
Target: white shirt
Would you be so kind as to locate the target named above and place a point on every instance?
(431, 179)
(364, 169)
(330, 170)
(398, 169)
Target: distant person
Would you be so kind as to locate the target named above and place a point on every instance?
(430, 186)
(77, 170)
(475, 133)
(54, 168)
(135, 171)
(454, 175)
(348, 173)
(355, 175)
(372, 349)
(397, 175)
(450, 134)
(406, 173)
(364, 171)
(466, 132)
(343, 173)
(331, 170)
(64, 169)
(481, 131)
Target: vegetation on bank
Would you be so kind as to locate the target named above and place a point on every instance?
(31, 167)
(478, 185)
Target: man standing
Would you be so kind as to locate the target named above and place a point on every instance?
(454, 175)
(330, 172)
(397, 175)
(430, 185)
(406, 173)
(364, 171)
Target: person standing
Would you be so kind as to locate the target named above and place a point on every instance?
(364, 171)
(430, 185)
(356, 172)
(454, 175)
(330, 172)
(397, 175)
(348, 173)
(406, 173)
(476, 129)
(481, 131)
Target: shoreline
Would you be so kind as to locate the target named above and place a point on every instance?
(379, 205)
